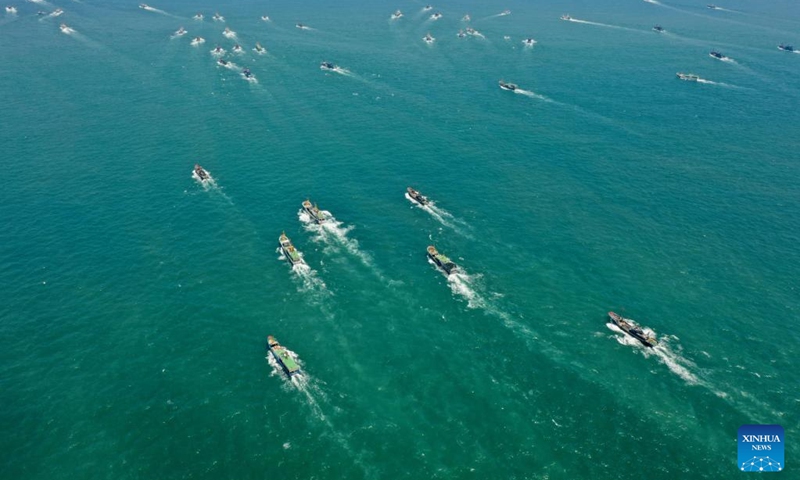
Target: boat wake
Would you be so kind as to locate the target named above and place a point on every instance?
(315, 397)
(334, 235)
(311, 282)
(597, 24)
(442, 216)
(307, 276)
(230, 66)
(300, 382)
(535, 95)
(676, 363)
(343, 71)
(466, 286)
(159, 11)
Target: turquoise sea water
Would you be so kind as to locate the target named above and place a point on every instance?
(136, 302)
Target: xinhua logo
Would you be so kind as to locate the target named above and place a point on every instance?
(761, 448)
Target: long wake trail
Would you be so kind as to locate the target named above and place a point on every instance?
(443, 216)
(314, 397)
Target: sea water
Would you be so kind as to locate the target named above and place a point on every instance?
(137, 301)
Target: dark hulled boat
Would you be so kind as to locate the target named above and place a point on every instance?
(631, 328)
(417, 197)
(441, 261)
(201, 173)
(508, 86)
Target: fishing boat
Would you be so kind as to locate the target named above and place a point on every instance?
(288, 251)
(511, 87)
(442, 262)
(201, 173)
(314, 212)
(282, 356)
(689, 77)
(417, 197)
(631, 328)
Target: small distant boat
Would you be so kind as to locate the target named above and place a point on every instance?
(237, 48)
(144, 6)
(11, 9)
(716, 54)
(248, 75)
(441, 261)
(64, 28)
(198, 16)
(281, 355)
(631, 328)
(505, 12)
(327, 66)
(302, 27)
(426, 8)
(57, 12)
(529, 42)
(198, 40)
(417, 197)
(397, 14)
(218, 18)
(658, 28)
(265, 18)
(180, 32)
(314, 212)
(259, 49)
(786, 48)
(689, 77)
(429, 39)
(201, 173)
(229, 33)
(288, 250)
(466, 18)
(511, 87)
(566, 17)
(712, 6)
(436, 16)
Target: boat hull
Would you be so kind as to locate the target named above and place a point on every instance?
(280, 355)
(629, 330)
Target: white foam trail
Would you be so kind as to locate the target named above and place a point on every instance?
(210, 185)
(442, 216)
(604, 25)
(532, 94)
(300, 382)
(464, 285)
(334, 235)
(673, 360)
(229, 66)
(343, 71)
(720, 84)
(311, 282)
